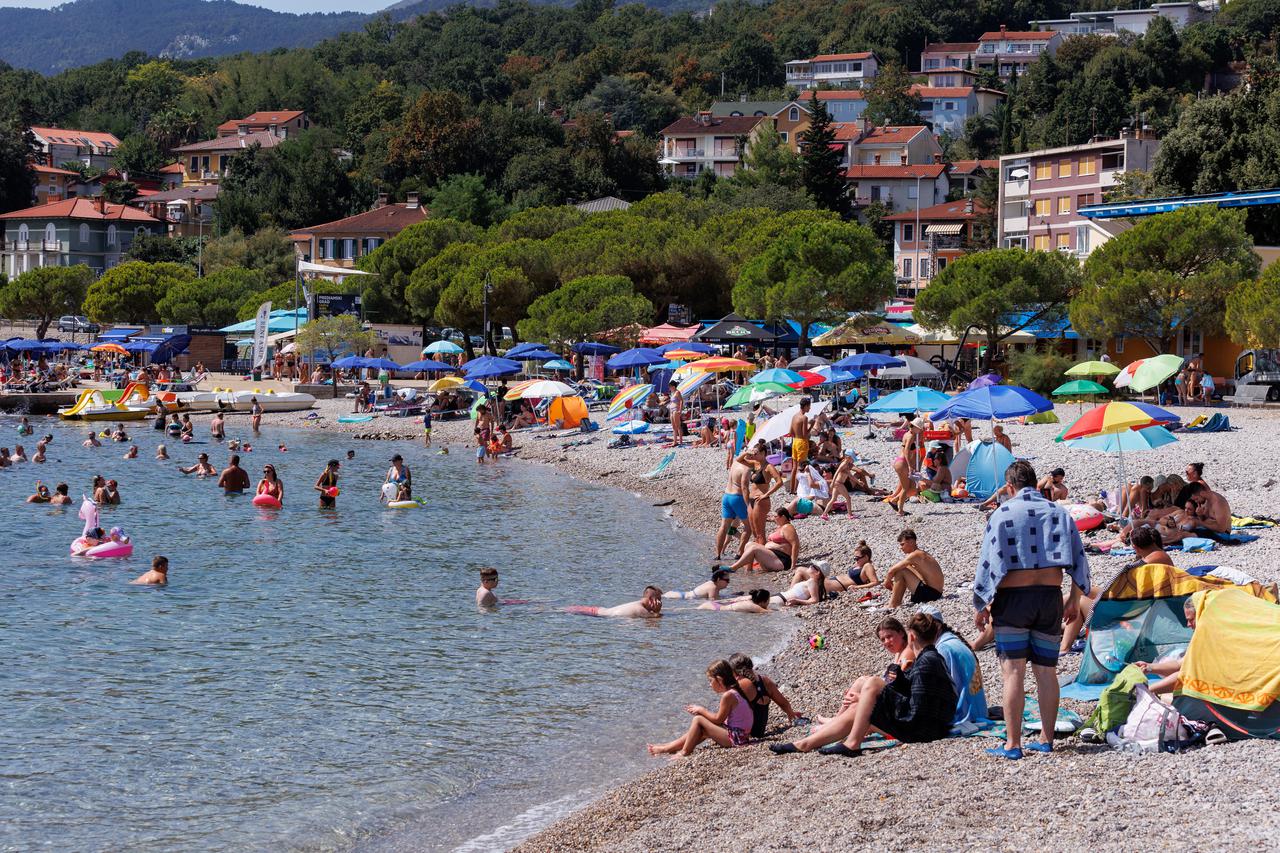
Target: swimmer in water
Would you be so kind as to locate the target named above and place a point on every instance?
(488, 583)
(233, 445)
(351, 454)
(39, 456)
(25, 428)
(119, 434)
(218, 427)
(282, 448)
(4, 457)
(202, 468)
(234, 479)
(60, 496)
(112, 492)
(648, 607)
(270, 483)
(161, 452)
(755, 601)
(19, 454)
(327, 484)
(132, 452)
(158, 576)
(92, 440)
(41, 496)
(708, 589)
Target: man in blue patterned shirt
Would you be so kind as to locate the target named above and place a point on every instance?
(1029, 543)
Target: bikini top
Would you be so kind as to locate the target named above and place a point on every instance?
(758, 477)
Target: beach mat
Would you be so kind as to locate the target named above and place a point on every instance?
(1068, 722)
(1251, 522)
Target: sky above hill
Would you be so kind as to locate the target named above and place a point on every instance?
(297, 6)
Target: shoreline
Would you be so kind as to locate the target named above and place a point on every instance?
(919, 793)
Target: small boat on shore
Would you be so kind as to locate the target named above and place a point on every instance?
(92, 406)
(242, 401)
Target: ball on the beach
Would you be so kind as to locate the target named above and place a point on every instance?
(817, 642)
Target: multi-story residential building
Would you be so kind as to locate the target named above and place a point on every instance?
(55, 146)
(282, 123)
(948, 101)
(896, 166)
(1008, 53)
(866, 145)
(186, 211)
(1125, 20)
(848, 70)
(947, 55)
(53, 184)
(1041, 191)
(206, 162)
(345, 241)
(844, 105)
(926, 240)
(790, 118)
(73, 231)
(693, 144)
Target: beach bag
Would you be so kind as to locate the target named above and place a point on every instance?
(1152, 726)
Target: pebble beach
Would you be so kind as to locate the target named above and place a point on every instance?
(1082, 797)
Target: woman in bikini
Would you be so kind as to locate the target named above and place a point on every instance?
(902, 467)
(763, 482)
(808, 586)
(755, 601)
(780, 553)
(270, 484)
(861, 576)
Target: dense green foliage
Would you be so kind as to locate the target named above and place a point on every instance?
(1253, 311)
(132, 291)
(45, 293)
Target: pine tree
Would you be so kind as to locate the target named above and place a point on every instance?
(823, 178)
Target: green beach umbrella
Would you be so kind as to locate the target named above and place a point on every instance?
(1077, 387)
(756, 393)
(1154, 370)
(1093, 368)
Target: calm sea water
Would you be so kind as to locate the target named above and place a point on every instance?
(322, 680)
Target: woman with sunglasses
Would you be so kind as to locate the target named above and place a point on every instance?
(270, 484)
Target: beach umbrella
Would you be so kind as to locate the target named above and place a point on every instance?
(913, 368)
(1093, 368)
(992, 403)
(759, 392)
(445, 383)
(116, 349)
(836, 376)
(1125, 376)
(915, 399)
(865, 361)
(780, 424)
(778, 375)
(636, 357)
(687, 346)
(515, 391)
(489, 366)
(381, 364)
(808, 362)
(1120, 443)
(427, 366)
(442, 348)
(20, 345)
(1078, 387)
(558, 364)
(1117, 417)
(667, 365)
(543, 388)
(627, 399)
(1154, 370)
(474, 385)
(808, 379)
(683, 354)
(985, 381)
(693, 382)
(721, 365)
(595, 348)
(349, 362)
(532, 355)
(519, 350)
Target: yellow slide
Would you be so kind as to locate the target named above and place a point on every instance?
(91, 397)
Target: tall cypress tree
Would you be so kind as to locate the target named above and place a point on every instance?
(820, 166)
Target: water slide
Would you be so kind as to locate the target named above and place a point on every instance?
(91, 397)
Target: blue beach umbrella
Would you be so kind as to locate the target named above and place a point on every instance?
(381, 364)
(428, 366)
(637, 357)
(349, 362)
(1129, 441)
(914, 399)
(442, 348)
(865, 361)
(532, 355)
(557, 364)
(594, 348)
(691, 346)
(474, 385)
(489, 366)
(993, 402)
(779, 375)
(519, 350)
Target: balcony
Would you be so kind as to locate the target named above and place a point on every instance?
(800, 78)
(1013, 224)
(50, 246)
(1013, 189)
(689, 154)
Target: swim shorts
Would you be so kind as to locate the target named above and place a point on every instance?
(923, 594)
(804, 506)
(800, 449)
(1028, 623)
(733, 506)
(738, 737)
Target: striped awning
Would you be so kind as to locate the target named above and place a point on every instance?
(944, 228)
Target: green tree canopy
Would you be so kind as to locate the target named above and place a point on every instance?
(821, 173)
(387, 296)
(213, 301)
(890, 100)
(153, 248)
(130, 292)
(268, 251)
(467, 199)
(16, 176)
(1167, 273)
(332, 337)
(45, 293)
(817, 272)
(987, 291)
(584, 307)
(1253, 310)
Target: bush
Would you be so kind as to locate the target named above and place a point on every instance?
(1039, 371)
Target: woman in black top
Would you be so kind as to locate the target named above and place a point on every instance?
(758, 689)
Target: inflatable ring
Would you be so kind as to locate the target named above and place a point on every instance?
(266, 501)
(1085, 516)
(108, 550)
(403, 504)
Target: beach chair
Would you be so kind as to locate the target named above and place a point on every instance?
(661, 468)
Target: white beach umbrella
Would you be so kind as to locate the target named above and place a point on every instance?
(780, 424)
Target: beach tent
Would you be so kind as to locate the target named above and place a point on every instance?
(1139, 617)
(1231, 674)
(984, 467)
(572, 411)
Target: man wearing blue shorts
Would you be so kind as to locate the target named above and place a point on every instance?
(1030, 542)
(733, 507)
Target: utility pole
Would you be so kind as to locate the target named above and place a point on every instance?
(488, 288)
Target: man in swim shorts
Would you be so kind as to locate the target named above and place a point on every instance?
(799, 442)
(648, 607)
(917, 573)
(1029, 543)
(234, 479)
(733, 507)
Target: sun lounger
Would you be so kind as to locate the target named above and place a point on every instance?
(662, 467)
(1248, 395)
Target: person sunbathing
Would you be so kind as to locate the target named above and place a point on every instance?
(917, 573)
(730, 725)
(808, 586)
(812, 492)
(1206, 511)
(755, 601)
(710, 589)
(1054, 487)
(759, 690)
(861, 576)
(648, 607)
(780, 553)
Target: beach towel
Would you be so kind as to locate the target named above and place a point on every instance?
(1191, 545)
(1225, 538)
(1068, 721)
(1234, 655)
(739, 437)
(966, 678)
(1252, 522)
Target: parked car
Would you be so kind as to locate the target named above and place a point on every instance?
(72, 323)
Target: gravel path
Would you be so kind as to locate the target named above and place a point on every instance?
(1082, 798)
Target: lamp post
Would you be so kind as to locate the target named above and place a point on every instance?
(488, 288)
(199, 232)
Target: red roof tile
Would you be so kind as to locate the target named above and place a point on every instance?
(834, 95)
(81, 208)
(924, 170)
(852, 130)
(271, 117)
(942, 91)
(946, 210)
(840, 57)
(968, 167)
(388, 219)
(69, 136)
(50, 170)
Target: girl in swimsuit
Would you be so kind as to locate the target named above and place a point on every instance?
(755, 601)
(758, 689)
(809, 586)
(270, 484)
(730, 725)
(861, 576)
(902, 467)
(780, 553)
(764, 481)
(327, 480)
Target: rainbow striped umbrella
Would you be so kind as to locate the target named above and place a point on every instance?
(722, 365)
(1117, 417)
(626, 399)
(515, 392)
(684, 355)
(692, 383)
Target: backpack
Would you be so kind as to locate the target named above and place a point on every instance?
(1152, 726)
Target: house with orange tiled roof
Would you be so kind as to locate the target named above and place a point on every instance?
(899, 166)
(925, 240)
(56, 145)
(344, 241)
(89, 231)
(283, 123)
(706, 142)
(1009, 52)
(837, 70)
(206, 162)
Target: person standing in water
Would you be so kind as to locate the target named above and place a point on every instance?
(158, 576)
(234, 479)
(327, 485)
(270, 483)
(218, 427)
(255, 414)
(488, 583)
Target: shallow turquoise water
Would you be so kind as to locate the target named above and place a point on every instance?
(323, 680)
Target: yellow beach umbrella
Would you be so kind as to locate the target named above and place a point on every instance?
(446, 383)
